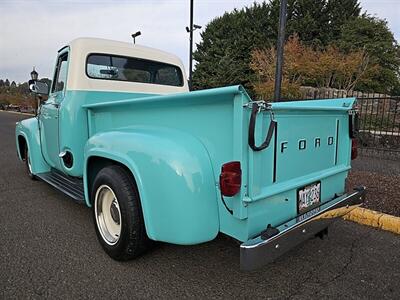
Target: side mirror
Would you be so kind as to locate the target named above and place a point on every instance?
(38, 87)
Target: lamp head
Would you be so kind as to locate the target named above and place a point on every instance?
(34, 74)
(136, 34)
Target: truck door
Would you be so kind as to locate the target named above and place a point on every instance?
(49, 114)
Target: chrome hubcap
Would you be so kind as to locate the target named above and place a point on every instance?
(29, 162)
(114, 211)
(108, 214)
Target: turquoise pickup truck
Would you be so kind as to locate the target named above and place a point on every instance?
(121, 132)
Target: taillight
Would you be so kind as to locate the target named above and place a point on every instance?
(354, 150)
(230, 179)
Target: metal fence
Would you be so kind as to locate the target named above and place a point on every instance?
(379, 117)
(379, 123)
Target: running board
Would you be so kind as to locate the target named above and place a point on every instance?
(70, 186)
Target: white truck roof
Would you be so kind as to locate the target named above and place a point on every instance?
(80, 49)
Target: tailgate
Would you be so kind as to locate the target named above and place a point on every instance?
(310, 143)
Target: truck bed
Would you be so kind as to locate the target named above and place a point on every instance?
(310, 144)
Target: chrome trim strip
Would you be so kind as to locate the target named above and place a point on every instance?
(258, 251)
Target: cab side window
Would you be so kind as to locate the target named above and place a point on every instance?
(60, 76)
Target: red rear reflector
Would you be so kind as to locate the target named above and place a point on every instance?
(354, 150)
(230, 179)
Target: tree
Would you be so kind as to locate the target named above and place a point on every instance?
(17, 93)
(328, 68)
(335, 69)
(306, 18)
(317, 22)
(224, 54)
(339, 13)
(373, 35)
(263, 65)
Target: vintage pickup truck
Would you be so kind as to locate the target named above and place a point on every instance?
(121, 132)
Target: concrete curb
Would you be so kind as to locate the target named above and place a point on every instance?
(375, 219)
(16, 112)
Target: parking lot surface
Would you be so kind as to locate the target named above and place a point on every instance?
(48, 249)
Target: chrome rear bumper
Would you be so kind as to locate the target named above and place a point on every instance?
(261, 250)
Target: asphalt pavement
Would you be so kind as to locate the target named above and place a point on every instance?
(48, 249)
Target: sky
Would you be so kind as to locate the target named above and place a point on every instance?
(31, 31)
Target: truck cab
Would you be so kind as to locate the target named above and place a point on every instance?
(121, 132)
(85, 72)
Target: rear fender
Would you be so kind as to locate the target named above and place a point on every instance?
(174, 176)
(28, 129)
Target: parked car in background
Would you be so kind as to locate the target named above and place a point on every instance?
(27, 109)
(121, 133)
(14, 107)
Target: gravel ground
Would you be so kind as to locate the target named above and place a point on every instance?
(382, 179)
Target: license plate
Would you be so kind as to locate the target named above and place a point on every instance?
(308, 197)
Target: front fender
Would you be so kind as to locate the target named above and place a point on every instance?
(29, 130)
(174, 176)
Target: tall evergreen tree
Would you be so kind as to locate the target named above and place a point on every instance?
(339, 13)
(306, 18)
(223, 55)
(373, 35)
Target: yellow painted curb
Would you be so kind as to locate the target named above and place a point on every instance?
(375, 219)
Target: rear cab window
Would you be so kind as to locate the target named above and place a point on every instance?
(121, 68)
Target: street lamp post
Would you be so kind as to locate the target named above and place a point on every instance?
(34, 74)
(34, 77)
(279, 50)
(135, 35)
(191, 44)
(190, 30)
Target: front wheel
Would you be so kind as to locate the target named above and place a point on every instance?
(28, 163)
(118, 214)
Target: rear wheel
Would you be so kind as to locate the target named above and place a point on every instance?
(118, 214)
